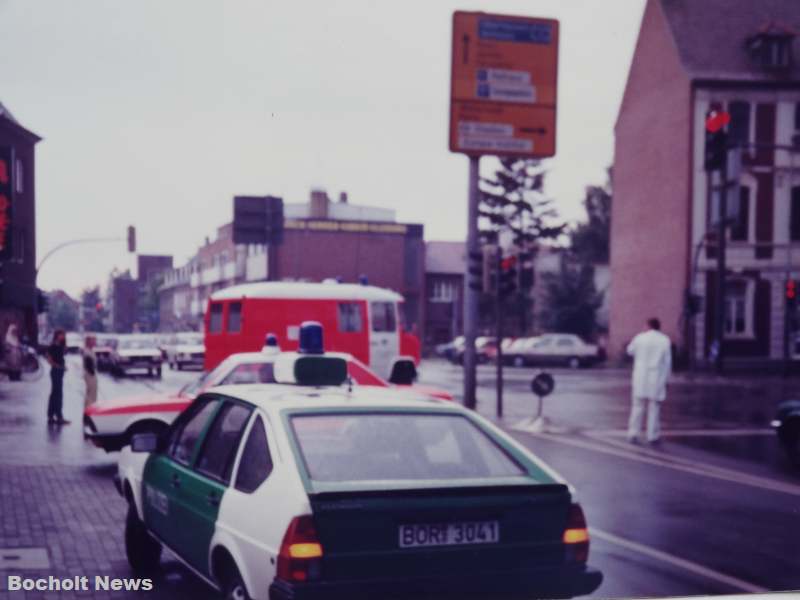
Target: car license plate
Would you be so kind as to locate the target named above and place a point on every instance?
(449, 534)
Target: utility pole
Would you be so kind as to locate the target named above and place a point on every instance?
(471, 294)
(498, 318)
(719, 321)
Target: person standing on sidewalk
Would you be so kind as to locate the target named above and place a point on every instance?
(55, 356)
(90, 371)
(652, 362)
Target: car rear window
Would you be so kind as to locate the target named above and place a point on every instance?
(398, 446)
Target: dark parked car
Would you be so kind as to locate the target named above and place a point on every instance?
(787, 426)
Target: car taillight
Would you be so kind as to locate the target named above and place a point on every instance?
(301, 553)
(576, 535)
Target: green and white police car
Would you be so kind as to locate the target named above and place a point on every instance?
(308, 489)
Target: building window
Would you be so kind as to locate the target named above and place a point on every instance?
(19, 184)
(739, 300)
(772, 49)
(740, 230)
(739, 128)
(443, 291)
(794, 219)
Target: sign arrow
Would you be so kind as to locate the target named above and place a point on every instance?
(465, 53)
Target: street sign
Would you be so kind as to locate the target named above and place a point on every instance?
(503, 85)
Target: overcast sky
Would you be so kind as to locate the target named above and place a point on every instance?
(157, 112)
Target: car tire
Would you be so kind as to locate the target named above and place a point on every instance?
(143, 552)
(234, 588)
(15, 375)
(518, 361)
(171, 365)
(179, 366)
(574, 362)
(158, 373)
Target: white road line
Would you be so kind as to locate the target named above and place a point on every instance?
(677, 464)
(688, 432)
(681, 563)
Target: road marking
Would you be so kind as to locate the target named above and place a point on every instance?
(676, 463)
(681, 563)
(687, 432)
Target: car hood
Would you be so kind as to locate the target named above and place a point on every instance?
(140, 352)
(144, 403)
(190, 348)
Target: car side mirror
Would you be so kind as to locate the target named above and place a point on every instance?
(404, 371)
(144, 442)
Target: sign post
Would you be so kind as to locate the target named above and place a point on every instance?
(503, 103)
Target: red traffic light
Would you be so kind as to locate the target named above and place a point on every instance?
(716, 120)
(98, 306)
(508, 263)
(791, 289)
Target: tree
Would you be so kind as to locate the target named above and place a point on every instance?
(514, 206)
(589, 241)
(93, 311)
(571, 299)
(63, 313)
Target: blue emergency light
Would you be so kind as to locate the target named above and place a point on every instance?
(311, 338)
(271, 340)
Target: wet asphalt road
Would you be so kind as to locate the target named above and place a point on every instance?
(715, 510)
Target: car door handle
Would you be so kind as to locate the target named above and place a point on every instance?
(176, 481)
(213, 499)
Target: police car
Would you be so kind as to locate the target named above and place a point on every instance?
(109, 424)
(311, 489)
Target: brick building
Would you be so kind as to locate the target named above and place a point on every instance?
(739, 55)
(445, 264)
(322, 239)
(17, 227)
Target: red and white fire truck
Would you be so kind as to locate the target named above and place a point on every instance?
(361, 320)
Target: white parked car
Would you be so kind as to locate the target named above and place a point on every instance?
(184, 349)
(136, 352)
(554, 349)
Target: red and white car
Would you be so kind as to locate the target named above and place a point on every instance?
(110, 424)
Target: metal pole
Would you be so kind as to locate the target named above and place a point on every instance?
(498, 316)
(471, 295)
(719, 329)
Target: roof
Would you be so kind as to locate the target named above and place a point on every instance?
(445, 257)
(5, 115)
(710, 36)
(277, 397)
(309, 291)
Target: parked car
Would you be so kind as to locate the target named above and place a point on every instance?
(485, 349)
(555, 349)
(109, 424)
(74, 342)
(104, 350)
(787, 427)
(185, 349)
(136, 352)
(298, 490)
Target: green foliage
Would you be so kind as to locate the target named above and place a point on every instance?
(589, 242)
(571, 299)
(90, 299)
(63, 313)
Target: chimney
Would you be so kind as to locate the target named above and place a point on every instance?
(319, 204)
(342, 197)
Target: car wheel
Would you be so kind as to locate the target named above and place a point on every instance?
(235, 588)
(178, 366)
(143, 552)
(519, 361)
(15, 375)
(574, 362)
(171, 365)
(158, 372)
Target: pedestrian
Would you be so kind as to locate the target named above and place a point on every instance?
(13, 351)
(652, 361)
(90, 371)
(55, 356)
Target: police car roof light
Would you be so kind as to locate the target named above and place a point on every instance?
(311, 339)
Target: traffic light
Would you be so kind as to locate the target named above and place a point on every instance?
(42, 301)
(507, 281)
(526, 271)
(791, 305)
(716, 147)
(131, 238)
(791, 290)
(475, 271)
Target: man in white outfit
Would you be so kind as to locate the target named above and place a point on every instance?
(652, 361)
